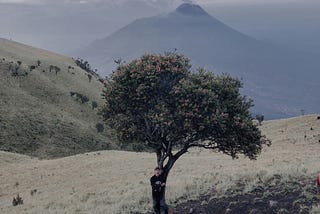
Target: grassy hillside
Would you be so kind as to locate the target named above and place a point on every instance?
(118, 182)
(38, 115)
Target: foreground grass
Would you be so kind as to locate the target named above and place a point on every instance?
(118, 182)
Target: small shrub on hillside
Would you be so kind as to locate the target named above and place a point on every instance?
(86, 66)
(70, 67)
(94, 104)
(32, 67)
(32, 192)
(57, 69)
(89, 77)
(54, 68)
(17, 200)
(101, 80)
(38, 62)
(80, 97)
(16, 71)
(99, 127)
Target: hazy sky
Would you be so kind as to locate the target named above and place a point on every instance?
(149, 1)
(66, 25)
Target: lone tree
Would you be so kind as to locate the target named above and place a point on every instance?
(158, 102)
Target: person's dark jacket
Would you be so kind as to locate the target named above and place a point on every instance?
(157, 188)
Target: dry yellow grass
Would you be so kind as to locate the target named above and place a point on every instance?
(118, 182)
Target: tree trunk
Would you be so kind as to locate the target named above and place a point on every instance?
(168, 167)
(165, 173)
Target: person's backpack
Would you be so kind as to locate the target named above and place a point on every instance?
(318, 180)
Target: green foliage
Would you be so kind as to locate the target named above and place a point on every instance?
(38, 63)
(80, 97)
(16, 71)
(57, 69)
(86, 66)
(32, 67)
(156, 100)
(70, 67)
(100, 127)
(260, 118)
(89, 77)
(94, 104)
(54, 68)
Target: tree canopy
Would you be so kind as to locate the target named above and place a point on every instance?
(160, 103)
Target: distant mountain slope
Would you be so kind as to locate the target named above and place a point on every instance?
(280, 81)
(38, 115)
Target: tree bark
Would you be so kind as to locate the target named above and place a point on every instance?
(168, 167)
(165, 173)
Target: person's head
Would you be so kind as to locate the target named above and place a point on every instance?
(157, 171)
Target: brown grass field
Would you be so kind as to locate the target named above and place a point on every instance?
(118, 182)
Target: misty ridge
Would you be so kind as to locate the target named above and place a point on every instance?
(280, 80)
(237, 38)
(62, 26)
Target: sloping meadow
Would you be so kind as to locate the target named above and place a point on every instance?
(118, 182)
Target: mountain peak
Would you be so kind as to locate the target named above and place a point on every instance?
(191, 10)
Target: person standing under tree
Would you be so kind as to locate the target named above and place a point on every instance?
(158, 185)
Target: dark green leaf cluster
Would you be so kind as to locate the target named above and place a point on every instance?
(99, 127)
(260, 118)
(94, 104)
(87, 67)
(158, 101)
(54, 68)
(79, 97)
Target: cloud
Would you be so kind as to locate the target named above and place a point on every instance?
(22, 2)
(155, 3)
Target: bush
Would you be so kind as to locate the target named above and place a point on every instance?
(86, 66)
(260, 118)
(94, 104)
(99, 127)
(80, 97)
(89, 77)
(32, 67)
(55, 68)
(70, 67)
